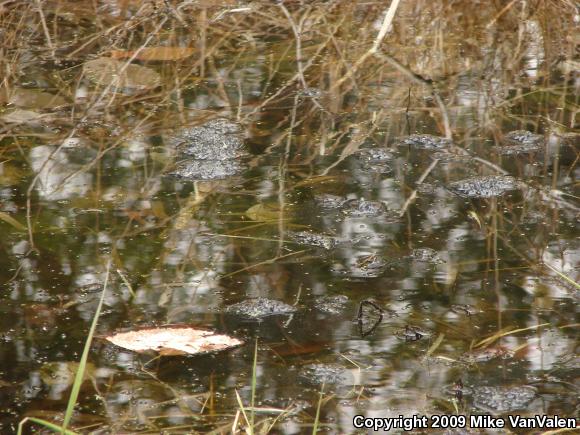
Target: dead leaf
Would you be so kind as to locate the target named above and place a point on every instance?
(263, 212)
(154, 53)
(10, 174)
(185, 215)
(120, 76)
(158, 210)
(315, 180)
(19, 116)
(569, 65)
(174, 340)
(35, 99)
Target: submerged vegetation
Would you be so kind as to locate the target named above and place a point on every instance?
(376, 202)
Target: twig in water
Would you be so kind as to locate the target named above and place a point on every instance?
(296, 32)
(45, 27)
(385, 26)
(411, 198)
(270, 261)
(422, 81)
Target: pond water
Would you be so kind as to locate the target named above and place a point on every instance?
(370, 221)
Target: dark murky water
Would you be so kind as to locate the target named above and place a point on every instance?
(306, 201)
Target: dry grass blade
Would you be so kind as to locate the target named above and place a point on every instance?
(126, 282)
(270, 261)
(385, 26)
(236, 421)
(155, 53)
(411, 198)
(563, 276)
(558, 431)
(499, 335)
(241, 405)
(10, 220)
(254, 380)
(571, 325)
(435, 344)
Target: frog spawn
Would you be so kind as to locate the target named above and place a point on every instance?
(218, 139)
(324, 374)
(331, 304)
(375, 265)
(313, 239)
(520, 142)
(363, 208)
(328, 201)
(484, 186)
(426, 142)
(426, 255)
(209, 152)
(366, 266)
(499, 400)
(207, 169)
(376, 160)
(351, 207)
(419, 255)
(260, 307)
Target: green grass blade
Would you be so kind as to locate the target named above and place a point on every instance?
(79, 377)
(454, 401)
(10, 220)
(317, 418)
(47, 424)
(254, 366)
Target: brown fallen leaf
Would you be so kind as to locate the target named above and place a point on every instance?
(263, 212)
(35, 99)
(20, 116)
(10, 174)
(154, 53)
(120, 76)
(174, 340)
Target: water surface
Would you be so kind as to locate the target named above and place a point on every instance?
(85, 181)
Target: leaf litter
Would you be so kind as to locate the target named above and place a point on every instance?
(174, 340)
(121, 77)
(35, 99)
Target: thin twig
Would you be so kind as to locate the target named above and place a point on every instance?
(411, 198)
(45, 27)
(385, 26)
(296, 32)
(414, 77)
(261, 263)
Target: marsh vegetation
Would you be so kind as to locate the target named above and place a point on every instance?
(379, 199)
